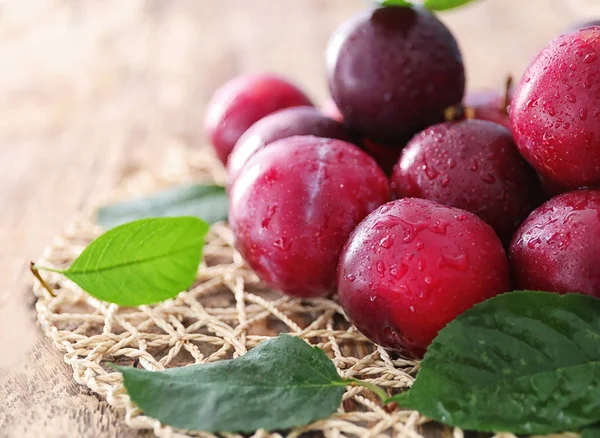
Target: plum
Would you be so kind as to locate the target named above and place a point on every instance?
(412, 266)
(555, 112)
(393, 71)
(288, 122)
(295, 203)
(241, 102)
(556, 249)
(473, 165)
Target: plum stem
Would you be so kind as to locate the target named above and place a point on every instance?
(507, 89)
(454, 112)
(36, 273)
(470, 113)
(371, 387)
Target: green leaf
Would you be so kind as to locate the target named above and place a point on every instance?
(209, 203)
(522, 362)
(280, 384)
(142, 262)
(433, 5)
(591, 432)
(404, 3)
(442, 5)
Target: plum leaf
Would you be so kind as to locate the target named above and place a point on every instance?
(522, 362)
(208, 202)
(141, 262)
(442, 5)
(591, 432)
(395, 3)
(280, 384)
(433, 5)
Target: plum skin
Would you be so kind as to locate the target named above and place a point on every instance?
(241, 102)
(393, 71)
(556, 249)
(294, 205)
(473, 165)
(556, 107)
(412, 266)
(289, 122)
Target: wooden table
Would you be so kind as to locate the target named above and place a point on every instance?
(90, 90)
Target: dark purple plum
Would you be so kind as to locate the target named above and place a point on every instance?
(393, 71)
(473, 165)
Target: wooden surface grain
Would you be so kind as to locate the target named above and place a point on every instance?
(90, 90)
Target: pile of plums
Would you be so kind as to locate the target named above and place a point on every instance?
(404, 197)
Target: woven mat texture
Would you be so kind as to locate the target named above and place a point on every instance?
(225, 313)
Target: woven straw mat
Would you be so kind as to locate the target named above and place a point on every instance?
(225, 313)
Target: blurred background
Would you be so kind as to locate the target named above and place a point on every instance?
(92, 90)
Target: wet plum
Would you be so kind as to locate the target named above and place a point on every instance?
(555, 112)
(281, 124)
(393, 71)
(473, 165)
(412, 266)
(295, 203)
(241, 102)
(556, 249)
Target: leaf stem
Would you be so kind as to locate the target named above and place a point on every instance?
(45, 268)
(36, 273)
(371, 387)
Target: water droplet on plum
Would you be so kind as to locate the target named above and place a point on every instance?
(590, 57)
(386, 242)
(283, 244)
(487, 177)
(459, 262)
